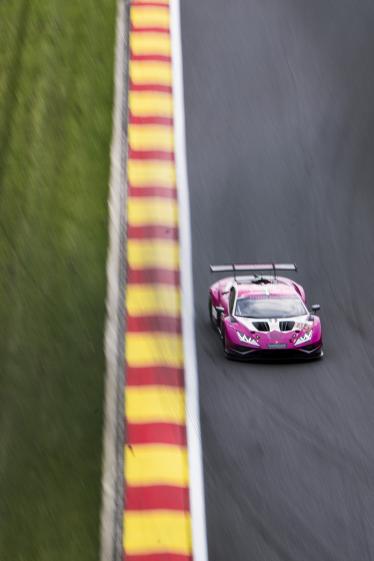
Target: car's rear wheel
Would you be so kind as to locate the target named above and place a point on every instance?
(213, 321)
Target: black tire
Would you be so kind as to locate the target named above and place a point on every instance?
(212, 320)
(228, 355)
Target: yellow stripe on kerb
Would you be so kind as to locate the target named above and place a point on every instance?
(145, 254)
(160, 173)
(150, 44)
(154, 349)
(145, 72)
(155, 404)
(151, 137)
(151, 104)
(146, 16)
(156, 532)
(153, 300)
(144, 211)
(156, 465)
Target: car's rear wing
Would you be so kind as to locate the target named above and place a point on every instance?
(240, 268)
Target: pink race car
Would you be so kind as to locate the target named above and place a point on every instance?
(263, 316)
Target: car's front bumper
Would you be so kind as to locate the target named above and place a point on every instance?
(307, 352)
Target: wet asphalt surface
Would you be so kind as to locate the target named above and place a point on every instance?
(279, 100)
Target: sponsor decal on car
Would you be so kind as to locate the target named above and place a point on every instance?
(247, 339)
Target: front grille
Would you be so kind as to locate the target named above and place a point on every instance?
(242, 349)
(312, 347)
(286, 325)
(261, 325)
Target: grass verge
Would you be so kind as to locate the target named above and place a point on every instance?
(56, 66)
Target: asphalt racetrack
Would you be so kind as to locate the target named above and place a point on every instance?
(279, 101)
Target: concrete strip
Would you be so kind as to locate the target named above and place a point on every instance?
(112, 469)
(200, 550)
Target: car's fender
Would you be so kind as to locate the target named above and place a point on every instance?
(300, 290)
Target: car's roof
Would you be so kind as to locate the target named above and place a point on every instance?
(260, 290)
(255, 287)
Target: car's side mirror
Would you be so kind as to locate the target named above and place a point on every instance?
(316, 308)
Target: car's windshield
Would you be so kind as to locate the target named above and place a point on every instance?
(269, 307)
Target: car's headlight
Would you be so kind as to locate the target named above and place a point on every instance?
(247, 339)
(307, 335)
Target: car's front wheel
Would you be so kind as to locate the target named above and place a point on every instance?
(228, 354)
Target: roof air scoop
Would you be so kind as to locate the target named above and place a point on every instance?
(260, 280)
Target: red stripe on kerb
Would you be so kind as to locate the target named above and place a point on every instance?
(157, 497)
(150, 120)
(156, 88)
(157, 276)
(166, 556)
(151, 155)
(152, 232)
(156, 433)
(153, 191)
(150, 29)
(162, 324)
(154, 376)
(151, 58)
(155, 4)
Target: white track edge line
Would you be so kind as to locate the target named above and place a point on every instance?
(112, 344)
(196, 483)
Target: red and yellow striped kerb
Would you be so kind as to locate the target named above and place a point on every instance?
(157, 523)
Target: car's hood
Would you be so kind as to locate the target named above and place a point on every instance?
(274, 324)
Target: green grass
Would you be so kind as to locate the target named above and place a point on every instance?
(56, 65)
